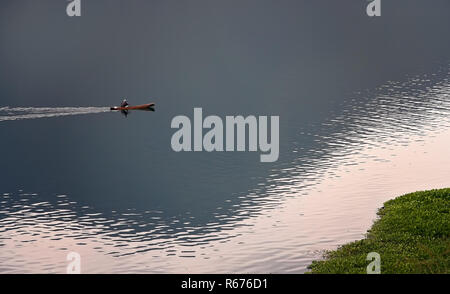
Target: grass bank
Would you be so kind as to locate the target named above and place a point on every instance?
(411, 235)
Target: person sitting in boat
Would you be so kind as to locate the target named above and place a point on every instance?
(124, 103)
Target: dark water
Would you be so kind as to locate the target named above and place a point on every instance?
(364, 114)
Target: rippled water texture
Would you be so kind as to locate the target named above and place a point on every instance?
(383, 142)
(19, 113)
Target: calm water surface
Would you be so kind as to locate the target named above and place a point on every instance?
(385, 142)
(364, 112)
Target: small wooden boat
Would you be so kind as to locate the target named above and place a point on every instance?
(148, 106)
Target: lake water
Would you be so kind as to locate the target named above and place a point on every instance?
(364, 109)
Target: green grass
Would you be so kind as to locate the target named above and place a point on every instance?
(411, 235)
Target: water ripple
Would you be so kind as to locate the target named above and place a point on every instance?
(391, 115)
(19, 113)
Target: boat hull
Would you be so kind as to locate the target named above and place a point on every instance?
(137, 107)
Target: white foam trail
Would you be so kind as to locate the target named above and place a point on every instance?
(19, 113)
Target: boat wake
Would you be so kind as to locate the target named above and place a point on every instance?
(20, 113)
